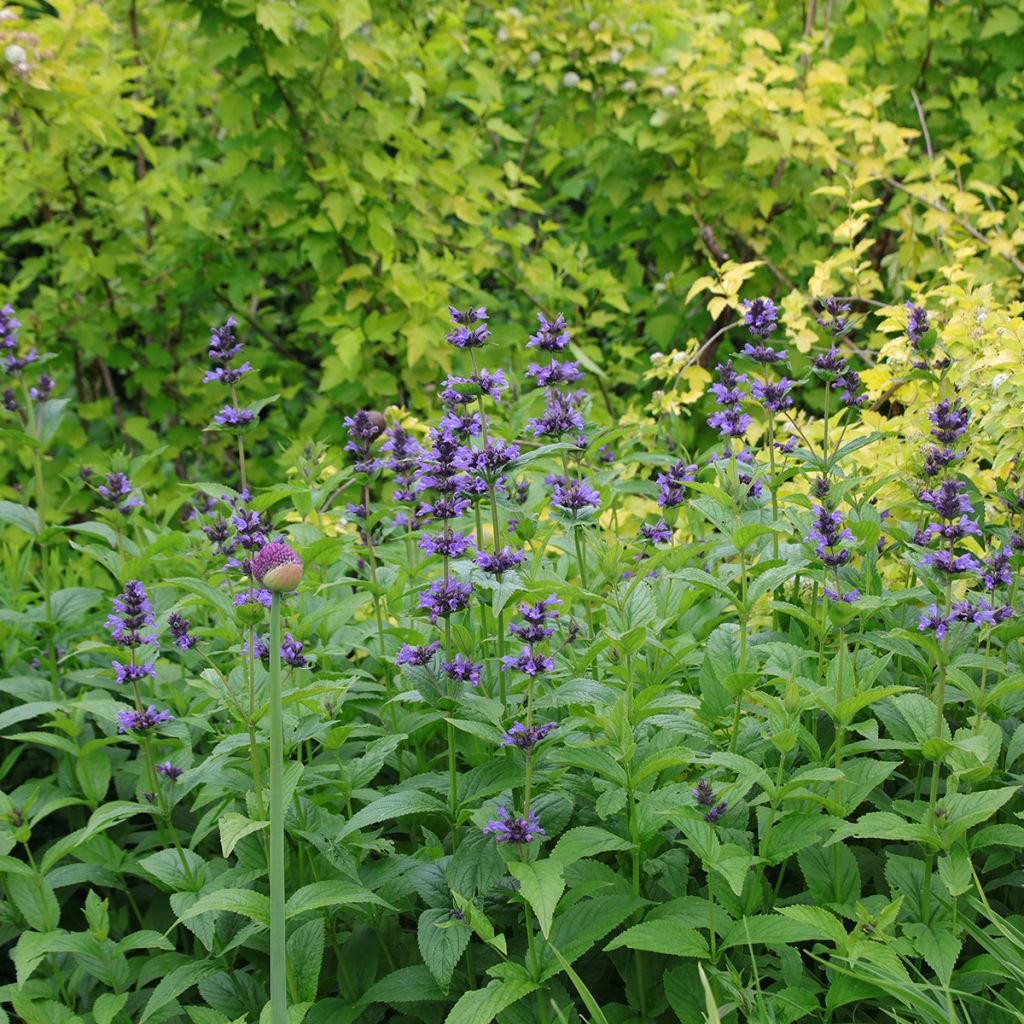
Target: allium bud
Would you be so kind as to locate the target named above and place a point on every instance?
(277, 567)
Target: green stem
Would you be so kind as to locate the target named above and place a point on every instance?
(453, 785)
(837, 791)
(581, 558)
(278, 966)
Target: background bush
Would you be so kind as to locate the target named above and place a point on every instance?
(334, 174)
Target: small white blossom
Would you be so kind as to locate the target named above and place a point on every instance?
(615, 56)
(570, 79)
(594, 26)
(629, 86)
(502, 35)
(8, 14)
(534, 59)
(999, 380)
(669, 91)
(15, 54)
(658, 72)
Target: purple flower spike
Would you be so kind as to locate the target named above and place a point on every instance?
(462, 670)
(526, 737)
(760, 316)
(553, 335)
(142, 721)
(465, 334)
(443, 598)
(172, 771)
(133, 673)
(229, 416)
(529, 662)
(132, 613)
(412, 655)
(918, 323)
(576, 497)
(507, 829)
(180, 631)
(774, 396)
(935, 621)
(501, 561)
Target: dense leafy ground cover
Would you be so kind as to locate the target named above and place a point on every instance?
(577, 724)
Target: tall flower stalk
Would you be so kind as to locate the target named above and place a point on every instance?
(278, 569)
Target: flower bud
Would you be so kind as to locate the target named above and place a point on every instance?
(277, 567)
(378, 421)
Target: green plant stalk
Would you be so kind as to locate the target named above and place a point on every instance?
(278, 964)
(933, 791)
(712, 941)
(34, 431)
(241, 445)
(531, 945)
(453, 785)
(837, 791)
(743, 653)
(581, 558)
(772, 486)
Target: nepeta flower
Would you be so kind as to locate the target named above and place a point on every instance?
(774, 396)
(227, 374)
(850, 597)
(949, 420)
(917, 323)
(562, 414)
(465, 335)
(180, 631)
(462, 390)
(172, 771)
(760, 316)
(449, 544)
(462, 670)
(363, 429)
(555, 373)
(133, 673)
(730, 422)
(43, 389)
(229, 416)
(252, 597)
(132, 613)
(998, 571)
(828, 533)
(727, 390)
(658, 533)
(949, 564)
(9, 324)
(553, 335)
(412, 655)
(526, 737)
(848, 385)
(507, 829)
(260, 649)
(671, 483)
(489, 461)
(446, 507)
(223, 346)
(763, 354)
(831, 362)
(501, 561)
(445, 597)
(141, 721)
(935, 621)
(938, 460)
(575, 497)
(119, 493)
(291, 652)
(962, 527)
(706, 797)
(835, 310)
(948, 500)
(537, 616)
(529, 662)
(10, 401)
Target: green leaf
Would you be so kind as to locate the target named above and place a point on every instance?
(475, 866)
(235, 827)
(541, 884)
(772, 930)
(305, 955)
(442, 941)
(25, 519)
(330, 894)
(586, 841)
(246, 902)
(406, 985)
(394, 805)
(482, 1005)
(667, 935)
(179, 980)
(108, 1006)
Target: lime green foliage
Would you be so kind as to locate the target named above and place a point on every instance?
(333, 174)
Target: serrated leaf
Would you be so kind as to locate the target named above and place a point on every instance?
(442, 941)
(541, 884)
